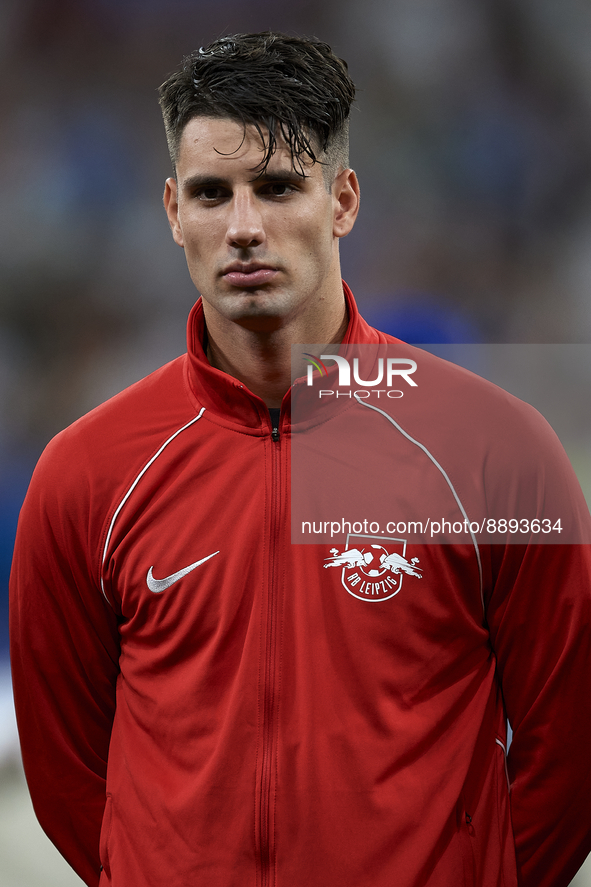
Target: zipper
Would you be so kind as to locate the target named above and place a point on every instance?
(274, 417)
(270, 664)
(467, 846)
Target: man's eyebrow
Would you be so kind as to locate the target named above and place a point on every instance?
(203, 181)
(280, 175)
(268, 176)
(197, 181)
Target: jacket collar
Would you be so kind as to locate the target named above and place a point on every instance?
(228, 399)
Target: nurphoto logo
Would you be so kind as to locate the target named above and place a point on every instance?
(391, 371)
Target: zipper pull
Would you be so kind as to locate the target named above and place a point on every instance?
(274, 413)
(469, 824)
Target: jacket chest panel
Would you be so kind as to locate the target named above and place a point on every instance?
(189, 547)
(392, 646)
(359, 476)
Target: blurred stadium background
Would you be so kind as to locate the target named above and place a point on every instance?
(472, 141)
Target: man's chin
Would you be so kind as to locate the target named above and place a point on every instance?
(258, 309)
(261, 322)
(265, 309)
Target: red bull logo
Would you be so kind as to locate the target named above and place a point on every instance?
(371, 571)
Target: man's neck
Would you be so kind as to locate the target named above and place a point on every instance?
(263, 360)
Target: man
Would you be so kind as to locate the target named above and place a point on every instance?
(211, 699)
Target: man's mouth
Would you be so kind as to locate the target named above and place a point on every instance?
(248, 275)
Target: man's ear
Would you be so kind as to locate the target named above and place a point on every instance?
(171, 206)
(345, 190)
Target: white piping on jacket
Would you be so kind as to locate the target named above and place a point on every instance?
(447, 479)
(132, 488)
(498, 741)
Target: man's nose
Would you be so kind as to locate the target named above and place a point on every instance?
(245, 224)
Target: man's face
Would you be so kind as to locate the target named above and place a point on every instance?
(261, 250)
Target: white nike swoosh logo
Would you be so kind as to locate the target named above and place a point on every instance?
(158, 585)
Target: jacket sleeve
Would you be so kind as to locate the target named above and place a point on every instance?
(539, 617)
(64, 652)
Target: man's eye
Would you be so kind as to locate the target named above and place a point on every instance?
(209, 194)
(280, 189)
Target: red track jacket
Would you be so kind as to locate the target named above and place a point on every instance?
(225, 708)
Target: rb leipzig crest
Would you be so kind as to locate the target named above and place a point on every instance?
(373, 567)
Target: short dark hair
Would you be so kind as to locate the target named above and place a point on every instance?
(292, 87)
